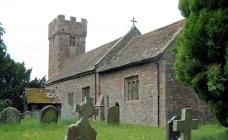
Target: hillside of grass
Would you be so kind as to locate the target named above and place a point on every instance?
(31, 129)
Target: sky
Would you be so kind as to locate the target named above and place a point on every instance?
(26, 23)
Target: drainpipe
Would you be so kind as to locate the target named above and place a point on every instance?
(158, 89)
(95, 82)
(95, 98)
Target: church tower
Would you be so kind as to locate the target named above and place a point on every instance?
(66, 39)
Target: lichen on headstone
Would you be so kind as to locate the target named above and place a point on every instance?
(49, 114)
(82, 130)
(10, 115)
(113, 116)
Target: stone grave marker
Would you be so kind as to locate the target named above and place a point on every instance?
(49, 114)
(113, 115)
(170, 134)
(186, 124)
(82, 130)
(27, 114)
(10, 115)
(36, 114)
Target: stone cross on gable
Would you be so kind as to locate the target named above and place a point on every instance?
(133, 21)
(86, 109)
(186, 124)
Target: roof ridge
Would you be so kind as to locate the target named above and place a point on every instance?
(153, 49)
(161, 28)
(116, 44)
(132, 30)
(108, 51)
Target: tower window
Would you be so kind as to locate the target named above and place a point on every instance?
(72, 40)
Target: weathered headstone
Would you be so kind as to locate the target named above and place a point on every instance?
(186, 124)
(36, 114)
(49, 114)
(170, 134)
(10, 115)
(113, 115)
(27, 114)
(82, 130)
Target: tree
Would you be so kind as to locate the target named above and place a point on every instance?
(37, 83)
(14, 78)
(202, 53)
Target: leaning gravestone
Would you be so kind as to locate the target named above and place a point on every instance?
(113, 115)
(27, 114)
(170, 134)
(10, 115)
(186, 124)
(82, 130)
(49, 114)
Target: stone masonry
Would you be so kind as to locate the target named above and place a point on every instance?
(179, 96)
(59, 34)
(143, 111)
(75, 86)
(104, 70)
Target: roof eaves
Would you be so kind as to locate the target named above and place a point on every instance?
(71, 77)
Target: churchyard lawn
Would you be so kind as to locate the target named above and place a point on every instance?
(31, 129)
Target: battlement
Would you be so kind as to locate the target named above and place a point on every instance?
(61, 18)
(70, 26)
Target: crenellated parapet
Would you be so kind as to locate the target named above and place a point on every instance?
(72, 27)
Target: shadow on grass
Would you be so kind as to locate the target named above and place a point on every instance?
(219, 136)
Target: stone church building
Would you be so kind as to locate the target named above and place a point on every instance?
(134, 72)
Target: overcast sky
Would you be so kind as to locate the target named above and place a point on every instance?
(26, 23)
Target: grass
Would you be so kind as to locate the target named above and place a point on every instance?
(31, 129)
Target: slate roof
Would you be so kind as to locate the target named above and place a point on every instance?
(83, 63)
(146, 46)
(140, 48)
(41, 96)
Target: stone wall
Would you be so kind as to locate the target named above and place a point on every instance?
(179, 96)
(59, 34)
(75, 86)
(162, 110)
(144, 110)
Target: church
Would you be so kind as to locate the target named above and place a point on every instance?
(134, 72)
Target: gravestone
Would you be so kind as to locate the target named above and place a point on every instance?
(170, 134)
(113, 115)
(186, 124)
(36, 114)
(27, 114)
(49, 114)
(82, 130)
(10, 115)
